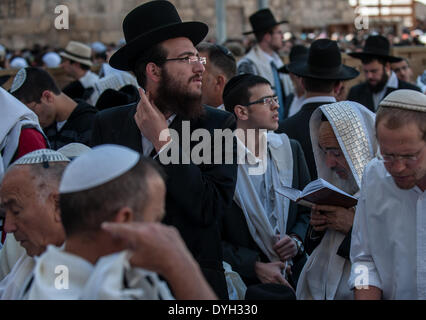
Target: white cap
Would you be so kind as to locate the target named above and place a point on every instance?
(98, 47)
(96, 167)
(405, 99)
(18, 63)
(41, 156)
(73, 150)
(52, 60)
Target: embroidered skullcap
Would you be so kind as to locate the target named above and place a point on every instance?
(41, 156)
(19, 80)
(96, 167)
(73, 150)
(405, 99)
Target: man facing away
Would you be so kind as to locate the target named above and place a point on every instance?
(220, 68)
(343, 142)
(263, 232)
(63, 119)
(161, 51)
(388, 238)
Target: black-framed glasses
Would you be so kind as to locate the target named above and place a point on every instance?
(225, 51)
(271, 101)
(189, 60)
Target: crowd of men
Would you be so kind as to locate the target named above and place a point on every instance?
(113, 176)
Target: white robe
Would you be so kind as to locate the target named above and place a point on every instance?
(389, 237)
(59, 275)
(12, 286)
(9, 255)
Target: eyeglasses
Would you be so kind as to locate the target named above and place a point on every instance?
(408, 159)
(190, 60)
(333, 151)
(271, 101)
(225, 51)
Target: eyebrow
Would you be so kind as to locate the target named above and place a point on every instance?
(9, 203)
(188, 53)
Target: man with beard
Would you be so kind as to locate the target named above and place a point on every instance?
(263, 59)
(160, 51)
(388, 238)
(380, 79)
(343, 142)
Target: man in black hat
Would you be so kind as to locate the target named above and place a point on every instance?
(161, 51)
(380, 79)
(294, 101)
(263, 59)
(322, 73)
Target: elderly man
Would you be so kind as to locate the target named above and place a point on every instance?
(220, 68)
(29, 196)
(343, 142)
(115, 184)
(63, 120)
(388, 238)
(161, 52)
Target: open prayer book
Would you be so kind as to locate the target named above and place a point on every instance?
(319, 192)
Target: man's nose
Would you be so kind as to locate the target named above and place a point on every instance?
(9, 223)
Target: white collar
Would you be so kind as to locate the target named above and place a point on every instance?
(329, 99)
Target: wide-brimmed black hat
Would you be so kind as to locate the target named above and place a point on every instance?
(376, 47)
(324, 62)
(298, 53)
(149, 24)
(263, 20)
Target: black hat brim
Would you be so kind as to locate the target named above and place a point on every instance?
(284, 69)
(264, 29)
(125, 58)
(366, 54)
(303, 70)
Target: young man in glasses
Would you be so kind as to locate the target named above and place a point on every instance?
(219, 69)
(388, 238)
(263, 232)
(161, 52)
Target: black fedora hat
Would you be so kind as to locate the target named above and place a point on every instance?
(298, 53)
(324, 62)
(376, 47)
(152, 23)
(263, 20)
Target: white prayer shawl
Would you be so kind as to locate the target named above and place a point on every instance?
(388, 248)
(82, 280)
(9, 255)
(262, 61)
(249, 201)
(12, 286)
(325, 274)
(14, 116)
(87, 81)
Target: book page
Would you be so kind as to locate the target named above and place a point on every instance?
(292, 194)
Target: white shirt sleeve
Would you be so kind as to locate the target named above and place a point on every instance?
(363, 272)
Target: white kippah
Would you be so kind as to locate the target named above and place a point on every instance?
(96, 167)
(19, 80)
(405, 99)
(42, 156)
(73, 150)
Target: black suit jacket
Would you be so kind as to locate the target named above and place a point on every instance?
(297, 128)
(239, 248)
(362, 94)
(196, 194)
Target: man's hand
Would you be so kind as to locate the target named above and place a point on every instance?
(318, 220)
(271, 272)
(337, 218)
(151, 122)
(286, 248)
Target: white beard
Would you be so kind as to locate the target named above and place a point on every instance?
(349, 186)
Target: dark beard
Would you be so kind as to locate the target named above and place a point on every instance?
(173, 97)
(379, 86)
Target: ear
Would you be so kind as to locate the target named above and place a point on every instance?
(241, 112)
(220, 82)
(125, 214)
(47, 97)
(153, 72)
(388, 68)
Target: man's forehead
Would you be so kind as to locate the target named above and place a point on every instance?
(179, 45)
(326, 135)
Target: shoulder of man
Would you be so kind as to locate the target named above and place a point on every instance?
(217, 119)
(245, 65)
(406, 85)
